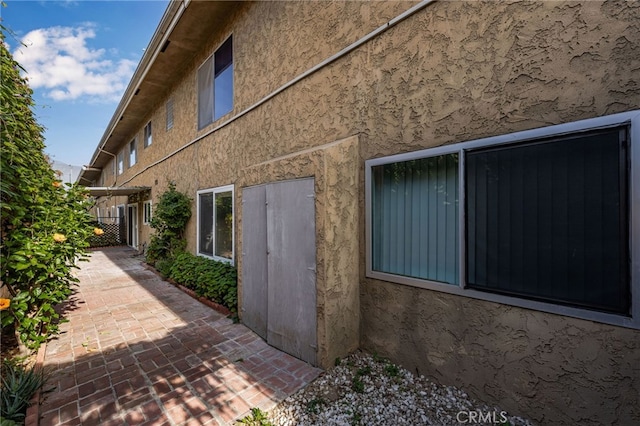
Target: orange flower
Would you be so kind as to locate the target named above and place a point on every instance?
(57, 184)
(98, 231)
(4, 304)
(59, 238)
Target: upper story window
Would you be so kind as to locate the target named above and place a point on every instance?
(541, 219)
(169, 111)
(147, 212)
(120, 162)
(215, 85)
(147, 135)
(133, 153)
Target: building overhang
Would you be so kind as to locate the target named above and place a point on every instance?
(106, 191)
(185, 27)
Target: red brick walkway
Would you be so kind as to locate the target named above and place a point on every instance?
(138, 351)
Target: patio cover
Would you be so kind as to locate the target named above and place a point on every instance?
(102, 191)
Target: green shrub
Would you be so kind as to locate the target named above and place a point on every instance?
(164, 267)
(19, 384)
(170, 218)
(182, 270)
(45, 227)
(215, 280)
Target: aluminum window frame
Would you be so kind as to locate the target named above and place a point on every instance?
(133, 152)
(120, 163)
(148, 135)
(630, 119)
(146, 217)
(211, 82)
(169, 114)
(214, 191)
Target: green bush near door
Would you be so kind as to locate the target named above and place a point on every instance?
(215, 280)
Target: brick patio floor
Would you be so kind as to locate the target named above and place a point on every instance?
(138, 351)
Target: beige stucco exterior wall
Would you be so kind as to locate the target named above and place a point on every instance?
(454, 71)
(549, 368)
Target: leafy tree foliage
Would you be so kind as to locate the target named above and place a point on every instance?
(44, 226)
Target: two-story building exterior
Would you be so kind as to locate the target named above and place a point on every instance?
(451, 184)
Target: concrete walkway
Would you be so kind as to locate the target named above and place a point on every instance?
(138, 351)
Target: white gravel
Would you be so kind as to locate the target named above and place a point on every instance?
(367, 390)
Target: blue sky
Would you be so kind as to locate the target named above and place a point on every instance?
(79, 57)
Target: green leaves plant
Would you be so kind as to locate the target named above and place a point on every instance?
(215, 280)
(44, 226)
(256, 418)
(170, 218)
(19, 384)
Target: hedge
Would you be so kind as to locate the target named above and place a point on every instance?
(215, 280)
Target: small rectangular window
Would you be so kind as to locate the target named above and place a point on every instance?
(147, 212)
(169, 111)
(133, 153)
(120, 162)
(147, 135)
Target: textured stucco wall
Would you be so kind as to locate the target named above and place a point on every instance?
(466, 70)
(452, 72)
(550, 368)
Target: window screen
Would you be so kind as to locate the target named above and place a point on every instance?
(549, 220)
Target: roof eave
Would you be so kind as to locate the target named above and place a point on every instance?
(170, 17)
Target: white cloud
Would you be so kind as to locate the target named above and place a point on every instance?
(59, 60)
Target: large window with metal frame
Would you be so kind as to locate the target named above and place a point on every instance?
(541, 219)
(215, 223)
